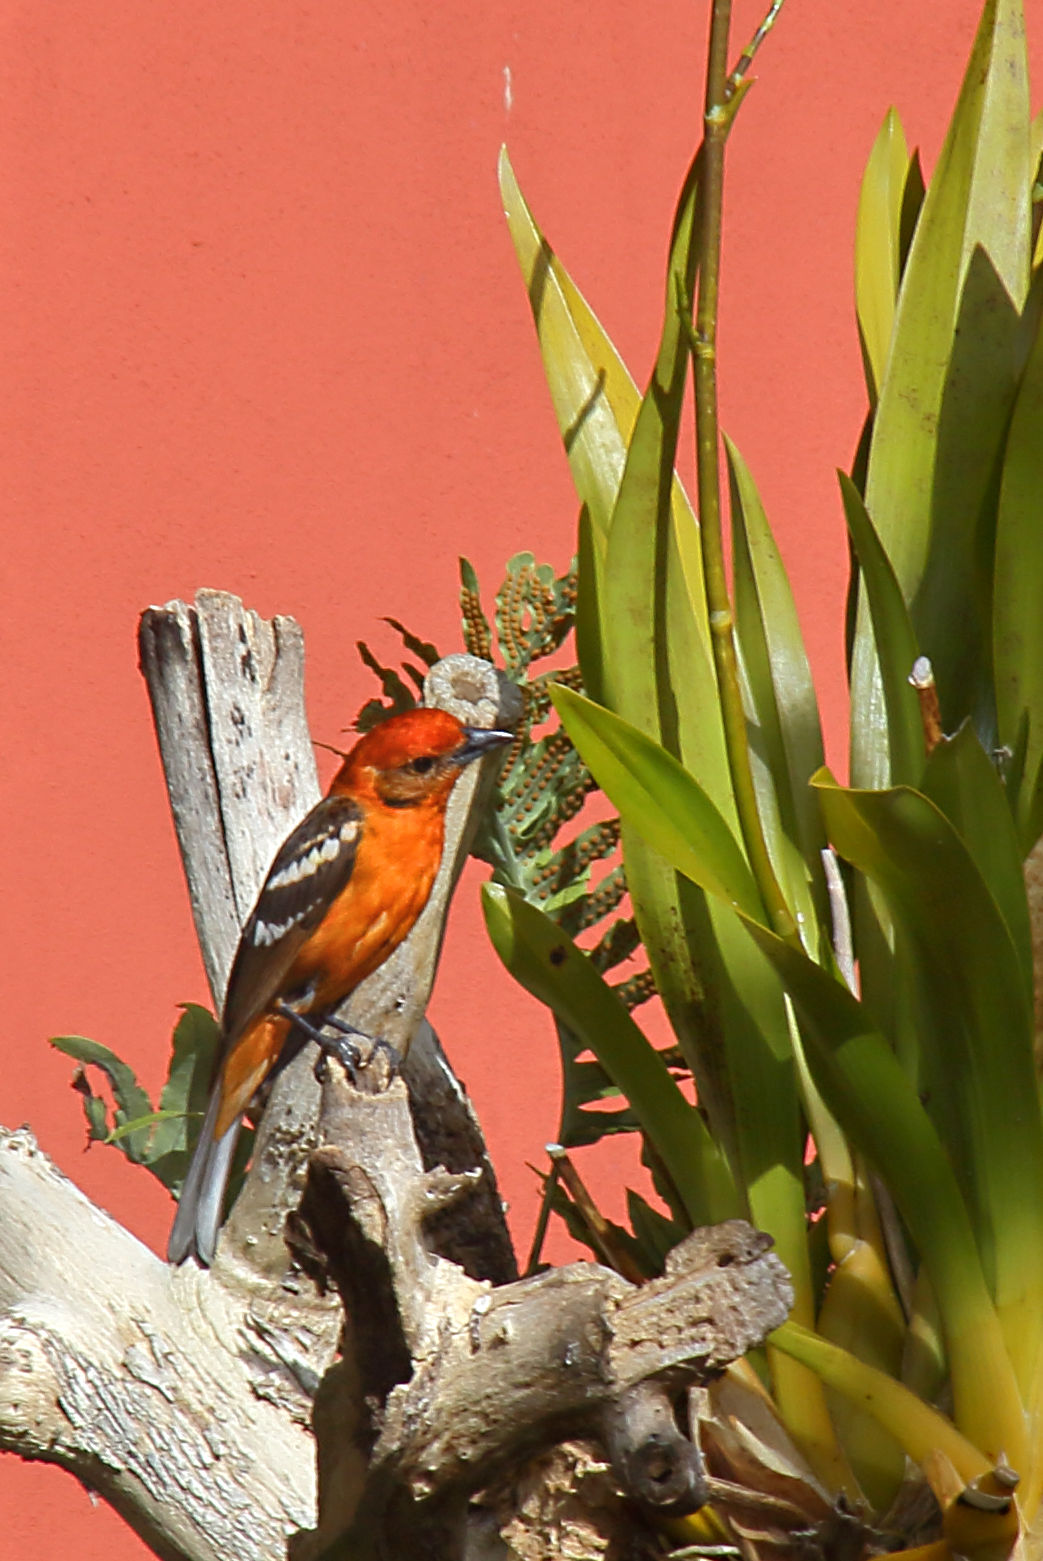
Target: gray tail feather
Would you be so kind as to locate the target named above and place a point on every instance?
(198, 1216)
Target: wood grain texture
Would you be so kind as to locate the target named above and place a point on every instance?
(244, 1411)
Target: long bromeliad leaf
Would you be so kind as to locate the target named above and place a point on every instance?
(950, 381)
(662, 800)
(1017, 619)
(976, 1041)
(787, 737)
(919, 1429)
(595, 400)
(859, 1077)
(878, 240)
(961, 780)
(550, 966)
(892, 711)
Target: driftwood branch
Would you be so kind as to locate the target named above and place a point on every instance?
(462, 1380)
(155, 1386)
(227, 691)
(378, 1383)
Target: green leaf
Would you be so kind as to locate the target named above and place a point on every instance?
(891, 727)
(976, 1038)
(787, 741)
(864, 1087)
(132, 1102)
(919, 1429)
(595, 399)
(550, 966)
(655, 793)
(955, 360)
(961, 780)
(183, 1101)
(1017, 618)
(656, 1232)
(878, 237)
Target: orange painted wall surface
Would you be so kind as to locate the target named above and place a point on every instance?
(263, 330)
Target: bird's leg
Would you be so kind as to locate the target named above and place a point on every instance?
(341, 1046)
(377, 1043)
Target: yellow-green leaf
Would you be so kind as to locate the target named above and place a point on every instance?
(954, 364)
(919, 1429)
(878, 237)
(1018, 599)
(659, 797)
(595, 399)
(550, 966)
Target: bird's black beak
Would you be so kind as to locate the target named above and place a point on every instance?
(478, 741)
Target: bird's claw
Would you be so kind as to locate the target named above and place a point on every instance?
(363, 1054)
(344, 1046)
(345, 1050)
(358, 1061)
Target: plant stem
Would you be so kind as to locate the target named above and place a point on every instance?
(600, 1230)
(748, 54)
(717, 121)
(800, 1397)
(550, 1181)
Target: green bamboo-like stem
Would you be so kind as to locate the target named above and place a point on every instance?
(748, 55)
(799, 1395)
(550, 1181)
(719, 113)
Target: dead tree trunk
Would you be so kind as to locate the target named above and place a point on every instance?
(409, 1406)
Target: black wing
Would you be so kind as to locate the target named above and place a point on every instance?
(310, 869)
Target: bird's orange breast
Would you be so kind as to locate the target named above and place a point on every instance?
(395, 867)
(398, 858)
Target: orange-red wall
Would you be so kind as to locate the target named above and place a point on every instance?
(263, 330)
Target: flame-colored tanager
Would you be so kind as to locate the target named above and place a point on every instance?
(344, 890)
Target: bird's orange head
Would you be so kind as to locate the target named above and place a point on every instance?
(414, 758)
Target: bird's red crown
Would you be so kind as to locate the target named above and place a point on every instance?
(401, 738)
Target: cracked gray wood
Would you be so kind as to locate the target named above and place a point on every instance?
(184, 1397)
(177, 1395)
(134, 1376)
(455, 1380)
(463, 1379)
(227, 691)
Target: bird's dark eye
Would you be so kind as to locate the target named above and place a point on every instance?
(422, 765)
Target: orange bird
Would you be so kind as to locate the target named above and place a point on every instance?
(344, 890)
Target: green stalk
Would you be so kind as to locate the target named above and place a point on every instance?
(718, 115)
(918, 1428)
(798, 1393)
